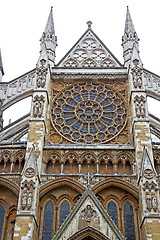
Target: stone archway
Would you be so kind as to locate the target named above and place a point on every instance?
(88, 233)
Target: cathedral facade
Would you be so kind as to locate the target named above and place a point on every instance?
(89, 168)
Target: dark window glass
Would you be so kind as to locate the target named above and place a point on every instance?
(48, 221)
(64, 211)
(2, 213)
(129, 221)
(112, 211)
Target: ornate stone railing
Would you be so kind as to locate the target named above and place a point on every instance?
(152, 84)
(17, 89)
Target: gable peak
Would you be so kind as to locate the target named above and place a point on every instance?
(89, 52)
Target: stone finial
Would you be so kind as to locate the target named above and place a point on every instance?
(89, 23)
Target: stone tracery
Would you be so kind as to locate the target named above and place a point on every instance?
(89, 113)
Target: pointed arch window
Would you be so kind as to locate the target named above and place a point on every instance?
(48, 221)
(64, 211)
(129, 221)
(2, 214)
(112, 211)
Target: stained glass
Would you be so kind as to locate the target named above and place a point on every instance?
(129, 221)
(64, 211)
(48, 221)
(2, 214)
(89, 111)
(112, 211)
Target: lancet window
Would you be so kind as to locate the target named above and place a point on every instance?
(48, 221)
(2, 214)
(64, 211)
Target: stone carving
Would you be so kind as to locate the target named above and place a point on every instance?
(151, 202)
(148, 173)
(140, 106)
(38, 106)
(107, 63)
(29, 172)
(148, 202)
(24, 199)
(41, 75)
(137, 74)
(88, 213)
(154, 202)
(29, 200)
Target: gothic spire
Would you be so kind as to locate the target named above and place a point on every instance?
(1, 67)
(129, 38)
(49, 40)
(49, 29)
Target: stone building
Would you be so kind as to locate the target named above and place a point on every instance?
(89, 168)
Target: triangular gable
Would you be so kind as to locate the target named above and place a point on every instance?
(88, 212)
(89, 52)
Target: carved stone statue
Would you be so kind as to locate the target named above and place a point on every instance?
(154, 202)
(41, 75)
(38, 106)
(24, 199)
(88, 213)
(137, 74)
(148, 202)
(140, 106)
(29, 200)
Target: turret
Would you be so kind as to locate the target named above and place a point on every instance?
(129, 39)
(48, 41)
(1, 67)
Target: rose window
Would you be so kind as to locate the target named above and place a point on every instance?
(89, 113)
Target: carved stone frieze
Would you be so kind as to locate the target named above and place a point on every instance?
(140, 106)
(38, 106)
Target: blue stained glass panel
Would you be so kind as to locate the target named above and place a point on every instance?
(93, 129)
(112, 211)
(67, 115)
(70, 121)
(85, 95)
(84, 129)
(129, 221)
(48, 221)
(68, 108)
(107, 122)
(77, 97)
(110, 115)
(2, 213)
(76, 126)
(101, 127)
(93, 95)
(100, 98)
(109, 108)
(64, 211)
(106, 102)
(71, 102)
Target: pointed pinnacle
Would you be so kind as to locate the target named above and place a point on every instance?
(129, 27)
(50, 24)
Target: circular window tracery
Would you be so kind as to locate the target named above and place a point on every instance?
(89, 113)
